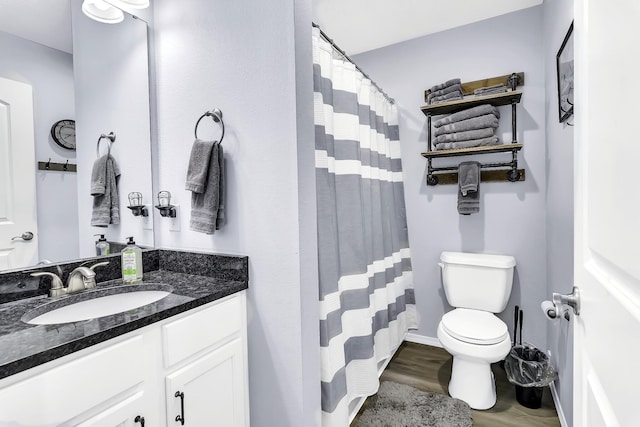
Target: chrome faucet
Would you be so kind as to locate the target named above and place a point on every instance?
(80, 279)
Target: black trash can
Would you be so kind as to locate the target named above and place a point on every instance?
(530, 370)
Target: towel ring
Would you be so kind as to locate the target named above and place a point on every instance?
(216, 115)
(111, 139)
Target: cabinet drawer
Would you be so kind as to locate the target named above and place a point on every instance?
(62, 392)
(193, 333)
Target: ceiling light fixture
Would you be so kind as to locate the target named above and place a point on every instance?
(101, 11)
(134, 4)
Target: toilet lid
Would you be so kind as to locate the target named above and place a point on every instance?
(474, 326)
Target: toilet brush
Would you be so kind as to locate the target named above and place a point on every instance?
(521, 323)
(515, 324)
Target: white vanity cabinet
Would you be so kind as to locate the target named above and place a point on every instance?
(201, 353)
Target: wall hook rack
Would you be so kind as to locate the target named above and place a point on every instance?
(59, 167)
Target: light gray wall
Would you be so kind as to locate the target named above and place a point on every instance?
(112, 95)
(50, 73)
(240, 56)
(558, 15)
(512, 218)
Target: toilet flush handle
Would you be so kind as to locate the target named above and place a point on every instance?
(441, 265)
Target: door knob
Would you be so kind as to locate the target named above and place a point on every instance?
(27, 235)
(572, 300)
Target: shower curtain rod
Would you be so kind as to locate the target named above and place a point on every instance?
(345, 56)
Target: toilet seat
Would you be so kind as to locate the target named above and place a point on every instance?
(474, 326)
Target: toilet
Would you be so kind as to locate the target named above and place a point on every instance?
(477, 286)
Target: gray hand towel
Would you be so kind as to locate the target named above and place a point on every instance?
(444, 85)
(468, 188)
(205, 205)
(499, 88)
(198, 166)
(446, 90)
(469, 113)
(465, 136)
(482, 122)
(494, 140)
(104, 189)
(452, 96)
(220, 219)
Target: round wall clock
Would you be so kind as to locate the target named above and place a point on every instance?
(63, 133)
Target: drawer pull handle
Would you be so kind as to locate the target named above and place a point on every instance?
(181, 416)
(140, 420)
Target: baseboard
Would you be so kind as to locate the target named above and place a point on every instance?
(556, 401)
(421, 339)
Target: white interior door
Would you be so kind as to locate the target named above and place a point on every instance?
(17, 176)
(607, 233)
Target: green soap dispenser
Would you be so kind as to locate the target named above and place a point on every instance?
(131, 263)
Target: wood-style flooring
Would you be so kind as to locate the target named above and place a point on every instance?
(429, 369)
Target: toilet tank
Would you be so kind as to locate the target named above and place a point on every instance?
(477, 281)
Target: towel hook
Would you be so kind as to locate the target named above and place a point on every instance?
(216, 115)
(111, 139)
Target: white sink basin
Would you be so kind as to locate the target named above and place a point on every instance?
(120, 300)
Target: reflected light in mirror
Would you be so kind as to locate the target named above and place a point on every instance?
(101, 11)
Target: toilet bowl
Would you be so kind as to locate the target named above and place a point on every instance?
(473, 353)
(477, 286)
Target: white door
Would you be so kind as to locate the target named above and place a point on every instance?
(17, 177)
(209, 391)
(607, 210)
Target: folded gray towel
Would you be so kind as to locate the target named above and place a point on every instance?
(104, 189)
(494, 140)
(446, 90)
(445, 98)
(198, 166)
(444, 85)
(464, 136)
(499, 88)
(469, 113)
(205, 205)
(468, 188)
(481, 122)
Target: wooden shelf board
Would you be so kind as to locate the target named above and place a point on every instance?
(497, 100)
(469, 87)
(474, 150)
(494, 175)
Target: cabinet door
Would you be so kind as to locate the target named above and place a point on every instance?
(212, 387)
(131, 412)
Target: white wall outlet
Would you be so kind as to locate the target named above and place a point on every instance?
(147, 221)
(174, 223)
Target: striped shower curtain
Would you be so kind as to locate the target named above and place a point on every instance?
(366, 291)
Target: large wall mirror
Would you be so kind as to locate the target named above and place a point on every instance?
(97, 75)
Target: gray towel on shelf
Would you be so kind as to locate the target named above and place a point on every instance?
(481, 122)
(468, 188)
(444, 85)
(469, 113)
(464, 136)
(198, 166)
(488, 90)
(104, 189)
(453, 96)
(205, 205)
(446, 90)
(494, 140)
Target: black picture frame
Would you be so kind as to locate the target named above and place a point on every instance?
(564, 69)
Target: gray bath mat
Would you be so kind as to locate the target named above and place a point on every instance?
(399, 405)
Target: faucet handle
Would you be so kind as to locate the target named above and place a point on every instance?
(57, 288)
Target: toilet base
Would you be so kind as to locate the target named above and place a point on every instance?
(472, 381)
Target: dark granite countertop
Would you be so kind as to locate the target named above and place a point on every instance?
(23, 346)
